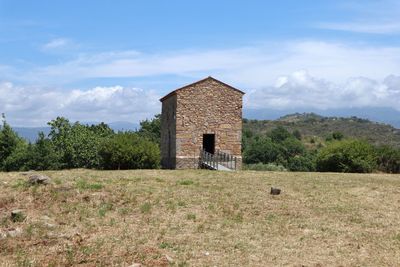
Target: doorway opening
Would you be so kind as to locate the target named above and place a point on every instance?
(209, 143)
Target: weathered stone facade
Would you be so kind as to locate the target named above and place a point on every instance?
(205, 107)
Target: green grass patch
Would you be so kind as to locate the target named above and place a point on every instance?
(104, 208)
(85, 185)
(145, 208)
(191, 216)
(185, 182)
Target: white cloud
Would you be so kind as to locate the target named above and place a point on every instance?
(302, 90)
(57, 44)
(364, 27)
(27, 106)
(252, 66)
(260, 70)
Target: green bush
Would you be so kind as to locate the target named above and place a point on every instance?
(279, 134)
(334, 136)
(292, 147)
(261, 150)
(42, 155)
(388, 159)
(347, 156)
(151, 129)
(13, 149)
(305, 163)
(18, 158)
(128, 150)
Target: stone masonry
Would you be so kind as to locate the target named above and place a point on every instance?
(205, 107)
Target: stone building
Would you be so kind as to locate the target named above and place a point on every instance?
(205, 115)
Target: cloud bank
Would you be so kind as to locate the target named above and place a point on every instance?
(292, 74)
(252, 66)
(297, 90)
(27, 106)
(302, 90)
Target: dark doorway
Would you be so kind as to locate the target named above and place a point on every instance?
(209, 143)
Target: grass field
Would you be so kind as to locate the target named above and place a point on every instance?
(201, 218)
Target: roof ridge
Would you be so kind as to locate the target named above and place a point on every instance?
(199, 81)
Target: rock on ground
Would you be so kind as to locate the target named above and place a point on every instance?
(18, 215)
(38, 179)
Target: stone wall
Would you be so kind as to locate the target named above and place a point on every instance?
(207, 107)
(168, 133)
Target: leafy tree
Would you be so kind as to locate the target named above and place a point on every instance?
(247, 137)
(347, 156)
(303, 163)
(59, 132)
(129, 151)
(102, 129)
(151, 129)
(296, 133)
(76, 144)
(17, 160)
(12, 148)
(262, 150)
(335, 136)
(81, 147)
(43, 155)
(8, 140)
(292, 147)
(279, 134)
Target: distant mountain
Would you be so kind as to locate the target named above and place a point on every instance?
(31, 133)
(314, 125)
(384, 115)
(124, 126)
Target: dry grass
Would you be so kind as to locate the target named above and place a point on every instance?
(202, 218)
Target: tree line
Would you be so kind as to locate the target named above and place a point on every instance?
(75, 145)
(280, 149)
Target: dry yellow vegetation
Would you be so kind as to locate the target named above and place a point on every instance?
(201, 218)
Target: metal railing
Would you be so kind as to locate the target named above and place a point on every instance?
(219, 158)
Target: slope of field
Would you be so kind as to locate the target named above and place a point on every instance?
(313, 125)
(201, 218)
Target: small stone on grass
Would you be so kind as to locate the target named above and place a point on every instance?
(275, 191)
(18, 215)
(35, 179)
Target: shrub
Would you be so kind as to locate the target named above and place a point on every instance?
(347, 156)
(151, 129)
(334, 136)
(76, 144)
(129, 151)
(11, 145)
(292, 147)
(16, 161)
(296, 133)
(279, 134)
(262, 150)
(304, 163)
(388, 159)
(42, 155)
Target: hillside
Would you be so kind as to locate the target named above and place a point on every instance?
(200, 218)
(313, 125)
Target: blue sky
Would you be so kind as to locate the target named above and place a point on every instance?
(112, 60)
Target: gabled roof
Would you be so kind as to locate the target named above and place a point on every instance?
(203, 80)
